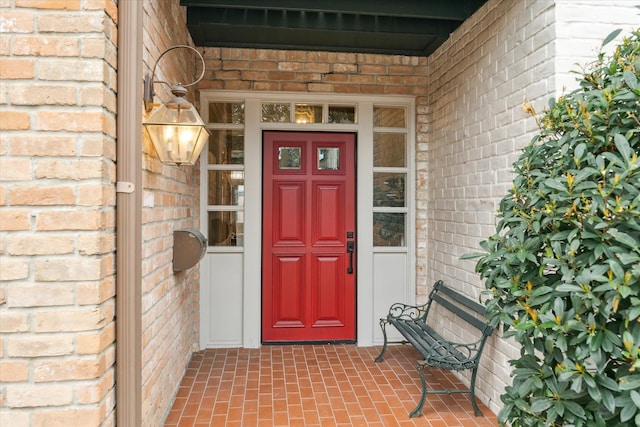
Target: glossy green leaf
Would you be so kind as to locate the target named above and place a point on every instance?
(635, 397)
(611, 37)
(623, 145)
(563, 266)
(631, 382)
(631, 79)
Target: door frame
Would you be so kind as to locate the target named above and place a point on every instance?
(251, 316)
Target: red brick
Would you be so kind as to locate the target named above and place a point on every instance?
(95, 342)
(29, 94)
(14, 120)
(13, 169)
(28, 396)
(36, 46)
(38, 244)
(49, 4)
(72, 121)
(14, 220)
(38, 195)
(14, 371)
(14, 68)
(68, 418)
(70, 320)
(41, 295)
(68, 369)
(40, 345)
(42, 144)
(17, 21)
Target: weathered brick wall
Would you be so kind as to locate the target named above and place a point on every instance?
(171, 201)
(582, 26)
(57, 170)
(507, 53)
(57, 117)
(57, 216)
(299, 71)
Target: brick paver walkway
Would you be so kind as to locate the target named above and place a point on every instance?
(315, 385)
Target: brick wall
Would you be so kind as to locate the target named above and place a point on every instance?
(57, 148)
(507, 53)
(582, 27)
(327, 72)
(478, 80)
(57, 216)
(57, 170)
(170, 310)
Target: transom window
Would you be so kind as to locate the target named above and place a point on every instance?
(302, 113)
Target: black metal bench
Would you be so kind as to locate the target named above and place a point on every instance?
(439, 352)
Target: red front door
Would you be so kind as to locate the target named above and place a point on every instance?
(308, 249)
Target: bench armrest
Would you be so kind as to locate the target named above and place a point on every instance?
(407, 312)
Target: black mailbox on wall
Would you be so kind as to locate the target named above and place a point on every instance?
(189, 247)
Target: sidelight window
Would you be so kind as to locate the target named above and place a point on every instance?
(389, 176)
(225, 174)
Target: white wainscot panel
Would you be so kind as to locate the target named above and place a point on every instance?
(389, 286)
(222, 293)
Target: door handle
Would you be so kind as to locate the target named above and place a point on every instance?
(351, 247)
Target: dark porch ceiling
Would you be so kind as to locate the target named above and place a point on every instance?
(396, 27)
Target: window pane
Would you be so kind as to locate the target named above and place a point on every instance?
(390, 150)
(388, 229)
(389, 117)
(308, 113)
(342, 114)
(226, 188)
(276, 113)
(289, 157)
(225, 228)
(226, 112)
(388, 190)
(328, 159)
(226, 147)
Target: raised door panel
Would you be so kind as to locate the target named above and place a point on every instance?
(328, 302)
(289, 214)
(328, 206)
(288, 291)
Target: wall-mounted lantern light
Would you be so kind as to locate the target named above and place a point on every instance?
(177, 131)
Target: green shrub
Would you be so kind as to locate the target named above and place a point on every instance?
(562, 270)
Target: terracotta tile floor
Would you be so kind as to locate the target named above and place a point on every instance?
(315, 385)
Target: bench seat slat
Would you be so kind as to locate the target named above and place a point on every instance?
(436, 350)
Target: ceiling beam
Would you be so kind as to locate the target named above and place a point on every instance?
(261, 20)
(456, 10)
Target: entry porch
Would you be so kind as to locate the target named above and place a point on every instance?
(316, 385)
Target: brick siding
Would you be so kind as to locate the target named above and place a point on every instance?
(505, 54)
(170, 310)
(57, 215)
(57, 212)
(57, 169)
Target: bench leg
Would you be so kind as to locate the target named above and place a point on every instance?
(418, 409)
(383, 324)
(476, 410)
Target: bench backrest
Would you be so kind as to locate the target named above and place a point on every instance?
(468, 310)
